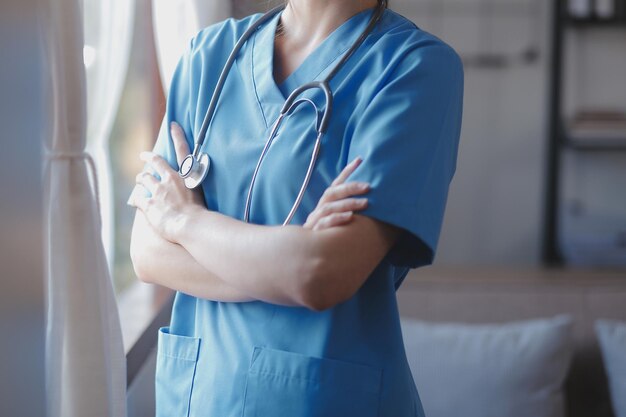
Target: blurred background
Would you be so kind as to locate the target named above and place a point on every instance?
(535, 224)
(540, 178)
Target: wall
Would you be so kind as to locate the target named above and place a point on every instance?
(494, 213)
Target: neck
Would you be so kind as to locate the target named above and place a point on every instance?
(310, 21)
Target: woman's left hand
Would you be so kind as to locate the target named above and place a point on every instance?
(171, 201)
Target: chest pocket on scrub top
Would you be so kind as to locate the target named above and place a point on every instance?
(281, 383)
(177, 357)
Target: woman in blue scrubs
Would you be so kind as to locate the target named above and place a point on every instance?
(298, 320)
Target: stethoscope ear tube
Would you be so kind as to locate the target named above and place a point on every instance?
(291, 102)
(286, 111)
(208, 117)
(196, 172)
(297, 104)
(307, 179)
(199, 168)
(246, 214)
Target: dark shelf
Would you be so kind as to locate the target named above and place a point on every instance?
(596, 144)
(592, 23)
(560, 140)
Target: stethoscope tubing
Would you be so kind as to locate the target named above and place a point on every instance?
(290, 105)
(242, 41)
(208, 117)
(318, 142)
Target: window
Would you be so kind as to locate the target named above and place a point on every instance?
(125, 104)
(141, 108)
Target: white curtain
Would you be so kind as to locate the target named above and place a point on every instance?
(176, 22)
(108, 38)
(85, 363)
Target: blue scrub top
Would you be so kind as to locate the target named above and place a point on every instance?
(398, 104)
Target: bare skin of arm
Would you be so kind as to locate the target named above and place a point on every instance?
(155, 258)
(293, 265)
(316, 266)
(287, 265)
(160, 261)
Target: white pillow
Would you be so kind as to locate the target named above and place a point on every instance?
(494, 370)
(612, 336)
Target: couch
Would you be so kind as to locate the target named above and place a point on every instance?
(500, 295)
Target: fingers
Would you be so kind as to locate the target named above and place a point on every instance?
(139, 201)
(157, 163)
(347, 171)
(132, 196)
(345, 190)
(148, 181)
(348, 204)
(180, 142)
(337, 204)
(335, 219)
(333, 209)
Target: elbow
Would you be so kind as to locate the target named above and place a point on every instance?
(320, 304)
(142, 274)
(321, 288)
(139, 260)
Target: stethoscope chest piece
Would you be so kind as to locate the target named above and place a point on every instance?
(195, 167)
(194, 170)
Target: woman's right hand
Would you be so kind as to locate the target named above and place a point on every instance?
(338, 203)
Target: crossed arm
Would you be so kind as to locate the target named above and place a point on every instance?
(178, 243)
(159, 261)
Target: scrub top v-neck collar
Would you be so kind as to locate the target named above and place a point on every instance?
(269, 95)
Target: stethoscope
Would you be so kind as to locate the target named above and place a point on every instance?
(195, 167)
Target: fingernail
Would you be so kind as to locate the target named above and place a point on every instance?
(347, 214)
(357, 160)
(362, 201)
(364, 186)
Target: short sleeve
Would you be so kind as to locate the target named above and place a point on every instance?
(177, 110)
(408, 137)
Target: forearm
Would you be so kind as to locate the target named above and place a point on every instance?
(159, 261)
(292, 265)
(271, 263)
(288, 265)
